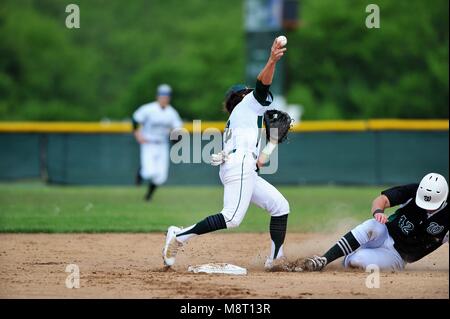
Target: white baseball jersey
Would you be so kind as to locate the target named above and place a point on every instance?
(157, 122)
(244, 126)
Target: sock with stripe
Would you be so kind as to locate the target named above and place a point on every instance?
(278, 227)
(345, 246)
(209, 224)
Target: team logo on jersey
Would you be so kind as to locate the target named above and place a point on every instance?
(427, 198)
(405, 225)
(434, 228)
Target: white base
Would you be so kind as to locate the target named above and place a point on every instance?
(218, 268)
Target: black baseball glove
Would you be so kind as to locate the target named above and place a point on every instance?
(278, 124)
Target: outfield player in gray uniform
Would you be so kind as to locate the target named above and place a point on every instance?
(418, 227)
(152, 124)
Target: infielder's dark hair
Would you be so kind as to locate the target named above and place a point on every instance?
(234, 99)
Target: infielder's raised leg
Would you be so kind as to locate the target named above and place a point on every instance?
(238, 190)
(236, 199)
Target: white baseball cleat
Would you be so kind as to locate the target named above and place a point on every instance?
(277, 264)
(171, 247)
(315, 263)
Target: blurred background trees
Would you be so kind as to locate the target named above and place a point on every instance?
(335, 67)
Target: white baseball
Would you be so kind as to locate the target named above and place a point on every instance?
(282, 40)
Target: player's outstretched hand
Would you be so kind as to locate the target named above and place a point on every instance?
(381, 218)
(277, 51)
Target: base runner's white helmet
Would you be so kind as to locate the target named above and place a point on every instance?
(432, 191)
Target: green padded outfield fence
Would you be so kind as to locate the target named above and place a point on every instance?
(354, 152)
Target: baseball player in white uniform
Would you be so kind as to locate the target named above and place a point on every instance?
(152, 124)
(238, 162)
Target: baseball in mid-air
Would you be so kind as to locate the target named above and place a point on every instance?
(282, 40)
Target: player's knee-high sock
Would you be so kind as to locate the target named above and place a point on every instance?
(209, 224)
(278, 227)
(151, 188)
(345, 246)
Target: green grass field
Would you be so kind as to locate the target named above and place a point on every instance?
(33, 207)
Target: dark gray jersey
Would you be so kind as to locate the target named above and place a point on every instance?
(415, 232)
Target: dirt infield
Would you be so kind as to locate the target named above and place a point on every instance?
(130, 266)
